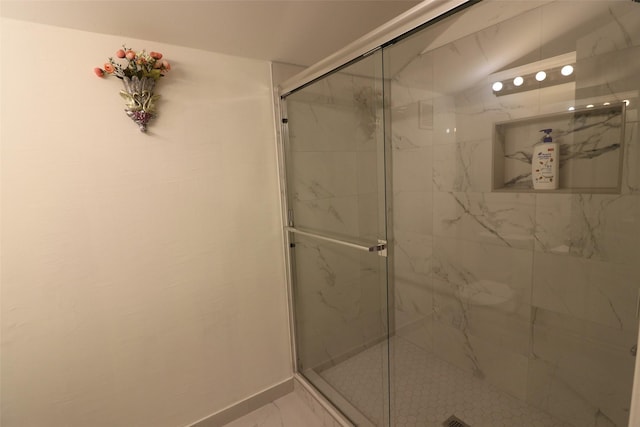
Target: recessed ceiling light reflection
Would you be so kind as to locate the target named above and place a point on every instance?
(567, 70)
(590, 106)
(541, 75)
(571, 108)
(497, 86)
(626, 101)
(607, 103)
(518, 81)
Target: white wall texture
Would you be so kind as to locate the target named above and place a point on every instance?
(142, 274)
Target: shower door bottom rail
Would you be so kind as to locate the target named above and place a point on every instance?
(380, 247)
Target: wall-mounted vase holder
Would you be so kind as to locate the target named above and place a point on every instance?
(140, 99)
(139, 72)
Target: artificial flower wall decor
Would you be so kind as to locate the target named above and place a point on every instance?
(139, 72)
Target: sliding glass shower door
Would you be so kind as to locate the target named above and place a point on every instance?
(496, 303)
(515, 305)
(335, 158)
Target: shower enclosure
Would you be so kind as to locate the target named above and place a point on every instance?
(431, 284)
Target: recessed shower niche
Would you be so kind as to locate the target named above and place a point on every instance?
(591, 141)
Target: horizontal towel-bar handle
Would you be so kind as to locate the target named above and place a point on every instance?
(380, 246)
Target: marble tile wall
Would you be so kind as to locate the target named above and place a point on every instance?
(533, 292)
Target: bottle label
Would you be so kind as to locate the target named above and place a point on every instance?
(544, 165)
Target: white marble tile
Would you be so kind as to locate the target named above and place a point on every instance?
(414, 314)
(412, 212)
(340, 300)
(412, 268)
(579, 380)
(501, 365)
(482, 305)
(334, 215)
(369, 175)
(444, 119)
(504, 219)
(410, 124)
(358, 215)
(320, 175)
(483, 275)
(478, 38)
(595, 291)
(413, 257)
(287, 411)
(332, 126)
(412, 170)
(343, 87)
(371, 221)
(554, 223)
(483, 340)
(592, 226)
(631, 166)
(608, 77)
(413, 300)
(586, 330)
(412, 75)
(462, 166)
(368, 107)
(615, 28)
(477, 109)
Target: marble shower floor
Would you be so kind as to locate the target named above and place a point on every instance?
(429, 391)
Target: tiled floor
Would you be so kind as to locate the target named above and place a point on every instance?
(288, 411)
(429, 391)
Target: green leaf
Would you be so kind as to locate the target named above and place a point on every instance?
(155, 74)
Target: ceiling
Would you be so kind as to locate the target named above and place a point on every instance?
(300, 32)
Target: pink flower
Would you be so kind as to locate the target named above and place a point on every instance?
(108, 68)
(120, 53)
(157, 64)
(156, 55)
(130, 55)
(166, 65)
(98, 72)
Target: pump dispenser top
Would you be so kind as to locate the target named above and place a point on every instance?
(547, 135)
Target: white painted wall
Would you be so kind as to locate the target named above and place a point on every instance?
(142, 274)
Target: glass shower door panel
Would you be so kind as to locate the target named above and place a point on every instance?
(335, 169)
(335, 153)
(341, 326)
(516, 306)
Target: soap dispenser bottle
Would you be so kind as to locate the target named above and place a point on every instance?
(545, 163)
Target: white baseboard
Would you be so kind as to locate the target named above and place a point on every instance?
(245, 406)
